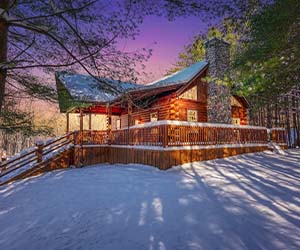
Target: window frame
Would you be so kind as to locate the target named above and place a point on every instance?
(188, 115)
(151, 113)
(238, 119)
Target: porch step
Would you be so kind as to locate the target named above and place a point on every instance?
(276, 148)
(53, 154)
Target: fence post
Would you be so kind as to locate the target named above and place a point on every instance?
(165, 136)
(2, 160)
(3, 155)
(109, 124)
(39, 151)
(2, 169)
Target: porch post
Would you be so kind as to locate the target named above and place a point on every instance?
(90, 121)
(164, 135)
(109, 133)
(68, 123)
(81, 137)
(81, 121)
(129, 112)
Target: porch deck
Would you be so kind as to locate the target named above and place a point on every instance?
(162, 144)
(169, 143)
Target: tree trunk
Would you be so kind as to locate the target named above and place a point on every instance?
(269, 116)
(276, 116)
(3, 51)
(288, 123)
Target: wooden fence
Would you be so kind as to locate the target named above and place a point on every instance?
(162, 136)
(36, 155)
(91, 137)
(278, 135)
(170, 133)
(150, 136)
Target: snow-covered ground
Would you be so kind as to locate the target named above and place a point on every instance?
(244, 202)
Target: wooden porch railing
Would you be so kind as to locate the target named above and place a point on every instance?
(214, 135)
(91, 137)
(36, 155)
(150, 136)
(159, 134)
(278, 135)
(174, 133)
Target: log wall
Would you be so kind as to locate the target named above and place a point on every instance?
(240, 112)
(170, 107)
(173, 106)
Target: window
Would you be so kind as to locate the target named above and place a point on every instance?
(190, 94)
(236, 121)
(192, 115)
(153, 116)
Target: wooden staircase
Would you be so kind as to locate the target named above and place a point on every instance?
(53, 154)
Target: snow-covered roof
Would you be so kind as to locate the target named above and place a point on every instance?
(182, 76)
(89, 89)
(92, 89)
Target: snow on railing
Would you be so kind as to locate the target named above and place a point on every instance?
(177, 133)
(193, 124)
(36, 155)
(278, 135)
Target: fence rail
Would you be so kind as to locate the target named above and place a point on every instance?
(91, 137)
(150, 136)
(278, 135)
(195, 135)
(170, 133)
(36, 155)
(159, 134)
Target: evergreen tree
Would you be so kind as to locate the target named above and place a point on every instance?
(268, 67)
(195, 51)
(269, 61)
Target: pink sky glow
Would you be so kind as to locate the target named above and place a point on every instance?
(167, 39)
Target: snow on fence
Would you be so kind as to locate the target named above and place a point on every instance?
(175, 133)
(162, 135)
(278, 135)
(36, 155)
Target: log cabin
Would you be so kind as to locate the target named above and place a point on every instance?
(184, 117)
(186, 95)
(181, 118)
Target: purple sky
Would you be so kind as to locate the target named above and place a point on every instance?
(170, 38)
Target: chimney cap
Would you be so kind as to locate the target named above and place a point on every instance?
(217, 39)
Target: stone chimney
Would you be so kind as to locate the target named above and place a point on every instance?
(218, 58)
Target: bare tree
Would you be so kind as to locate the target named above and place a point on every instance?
(55, 34)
